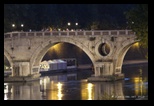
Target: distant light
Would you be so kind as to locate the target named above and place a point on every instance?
(69, 23)
(13, 25)
(59, 29)
(76, 23)
(132, 22)
(22, 25)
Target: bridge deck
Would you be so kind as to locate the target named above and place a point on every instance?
(69, 33)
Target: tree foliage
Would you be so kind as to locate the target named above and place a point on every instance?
(138, 22)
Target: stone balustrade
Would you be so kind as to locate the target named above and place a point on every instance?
(68, 33)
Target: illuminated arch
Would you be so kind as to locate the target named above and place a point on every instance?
(43, 48)
(122, 53)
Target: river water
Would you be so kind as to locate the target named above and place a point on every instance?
(74, 86)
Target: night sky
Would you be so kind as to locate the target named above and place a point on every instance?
(37, 16)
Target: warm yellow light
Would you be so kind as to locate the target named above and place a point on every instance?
(59, 85)
(55, 46)
(90, 87)
(53, 92)
(138, 79)
(136, 44)
(139, 86)
(60, 95)
(84, 91)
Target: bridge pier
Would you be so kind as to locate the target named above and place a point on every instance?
(105, 71)
(21, 72)
(21, 69)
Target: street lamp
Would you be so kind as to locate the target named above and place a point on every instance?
(68, 23)
(13, 26)
(22, 25)
(76, 24)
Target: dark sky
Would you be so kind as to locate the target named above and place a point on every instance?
(36, 16)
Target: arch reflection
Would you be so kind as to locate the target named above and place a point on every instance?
(108, 90)
(68, 87)
(140, 87)
(22, 91)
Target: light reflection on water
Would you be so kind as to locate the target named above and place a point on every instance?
(71, 86)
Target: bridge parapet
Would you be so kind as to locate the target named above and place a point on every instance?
(68, 33)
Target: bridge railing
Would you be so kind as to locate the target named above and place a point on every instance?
(69, 33)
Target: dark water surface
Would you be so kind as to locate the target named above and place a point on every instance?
(74, 86)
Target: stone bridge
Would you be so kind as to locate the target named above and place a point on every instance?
(105, 48)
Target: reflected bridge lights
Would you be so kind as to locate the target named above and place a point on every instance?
(59, 85)
(89, 88)
(6, 91)
(138, 85)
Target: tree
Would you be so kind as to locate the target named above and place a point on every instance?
(138, 22)
(94, 25)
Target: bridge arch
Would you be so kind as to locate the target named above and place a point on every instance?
(44, 47)
(6, 54)
(122, 52)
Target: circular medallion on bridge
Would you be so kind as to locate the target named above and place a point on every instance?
(104, 49)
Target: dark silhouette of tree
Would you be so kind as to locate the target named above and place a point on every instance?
(138, 22)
